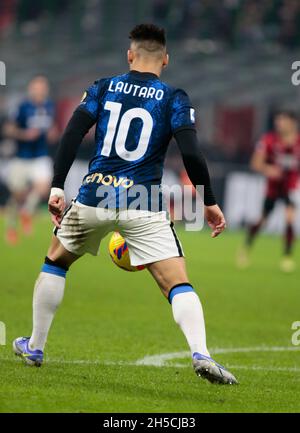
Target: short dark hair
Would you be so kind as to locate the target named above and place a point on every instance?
(148, 33)
(287, 113)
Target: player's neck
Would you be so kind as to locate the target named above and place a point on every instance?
(146, 67)
(37, 101)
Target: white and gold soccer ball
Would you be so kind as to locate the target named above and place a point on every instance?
(118, 251)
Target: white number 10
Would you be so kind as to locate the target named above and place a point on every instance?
(128, 116)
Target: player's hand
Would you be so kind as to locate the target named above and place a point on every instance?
(53, 134)
(9, 130)
(273, 171)
(30, 134)
(215, 219)
(56, 205)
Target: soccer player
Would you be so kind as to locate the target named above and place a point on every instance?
(30, 171)
(277, 157)
(136, 114)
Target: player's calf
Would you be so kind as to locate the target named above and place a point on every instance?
(48, 294)
(188, 314)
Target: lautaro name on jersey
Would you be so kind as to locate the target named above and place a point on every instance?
(136, 90)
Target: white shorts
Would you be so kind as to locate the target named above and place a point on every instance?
(24, 172)
(150, 236)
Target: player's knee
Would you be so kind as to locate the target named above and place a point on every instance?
(168, 278)
(161, 280)
(290, 215)
(42, 190)
(59, 255)
(167, 285)
(165, 281)
(19, 196)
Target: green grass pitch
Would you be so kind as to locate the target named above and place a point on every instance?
(110, 319)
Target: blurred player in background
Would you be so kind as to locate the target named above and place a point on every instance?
(30, 171)
(277, 157)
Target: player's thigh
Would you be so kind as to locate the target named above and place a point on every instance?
(168, 273)
(150, 236)
(83, 228)
(41, 175)
(42, 188)
(18, 177)
(58, 253)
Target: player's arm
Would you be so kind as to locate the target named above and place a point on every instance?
(12, 130)
(197, 170)
(78, 126)
(83, 118)
(53, 134)
(182, 117)
(260, 164)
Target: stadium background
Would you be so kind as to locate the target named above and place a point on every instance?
(233, 57)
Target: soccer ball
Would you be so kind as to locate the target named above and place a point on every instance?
(118, 251)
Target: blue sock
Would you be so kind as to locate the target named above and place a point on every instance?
(179, 288)
(51, 267)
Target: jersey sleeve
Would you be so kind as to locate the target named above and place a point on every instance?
(182, 114)
(90, 100)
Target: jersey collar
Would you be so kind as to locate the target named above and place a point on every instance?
(142, 75)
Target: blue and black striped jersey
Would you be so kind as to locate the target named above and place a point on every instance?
(136, 115)
(37, 116)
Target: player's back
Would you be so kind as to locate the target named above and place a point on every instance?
(136, 115)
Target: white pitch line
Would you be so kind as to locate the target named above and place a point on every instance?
(259, 368)
(161, 359)
(134, 364)
(242, 367)
(74, 361)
